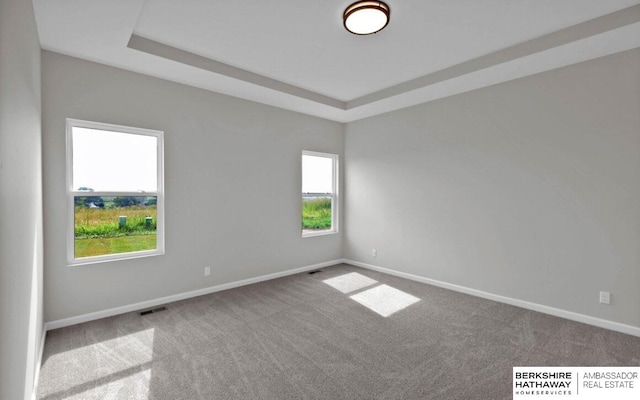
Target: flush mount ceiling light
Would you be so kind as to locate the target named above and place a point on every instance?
(366, 17)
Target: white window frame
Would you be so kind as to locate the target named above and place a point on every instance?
(71, 194)
(334, 195)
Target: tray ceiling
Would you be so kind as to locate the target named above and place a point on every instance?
(297, 55)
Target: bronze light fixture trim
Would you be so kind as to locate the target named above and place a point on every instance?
(366, 17)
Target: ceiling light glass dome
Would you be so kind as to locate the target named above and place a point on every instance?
(366, 17)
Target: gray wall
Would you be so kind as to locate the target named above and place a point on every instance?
(20, 200)
(232, 184)
(528, 189)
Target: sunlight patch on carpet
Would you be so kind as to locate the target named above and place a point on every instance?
(350, 282)
(385, 300)
(98, 370)
(133, 386)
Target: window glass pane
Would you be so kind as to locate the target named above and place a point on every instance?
(114, 161)
(316, 213)
(112, 225)
(317, 174)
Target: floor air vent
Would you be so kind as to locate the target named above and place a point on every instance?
(314, 272)
(155, 310)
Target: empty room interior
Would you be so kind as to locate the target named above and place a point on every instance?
(234, 200)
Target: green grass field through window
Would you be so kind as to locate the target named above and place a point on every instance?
(114, 245)
(316, 213)
(103, 230)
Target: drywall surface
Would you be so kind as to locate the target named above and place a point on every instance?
(232, 186)
(528, 189)
(20, 200)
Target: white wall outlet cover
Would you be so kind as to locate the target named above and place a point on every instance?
(207, 271)
(605, 297)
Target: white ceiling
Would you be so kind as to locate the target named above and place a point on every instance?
(295, 54)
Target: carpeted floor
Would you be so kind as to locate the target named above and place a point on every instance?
(305, 337)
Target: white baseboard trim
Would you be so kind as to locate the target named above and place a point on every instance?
(61, 323)
(557, 312)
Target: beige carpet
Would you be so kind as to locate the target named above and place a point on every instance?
(343, 333)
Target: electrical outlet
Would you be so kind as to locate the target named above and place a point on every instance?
(605, 297)
(207, 271)
(374, 252)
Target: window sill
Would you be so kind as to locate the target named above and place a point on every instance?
(110, 258)
(310, 233)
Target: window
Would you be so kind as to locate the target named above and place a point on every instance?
(114, 191)
(319, 194)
